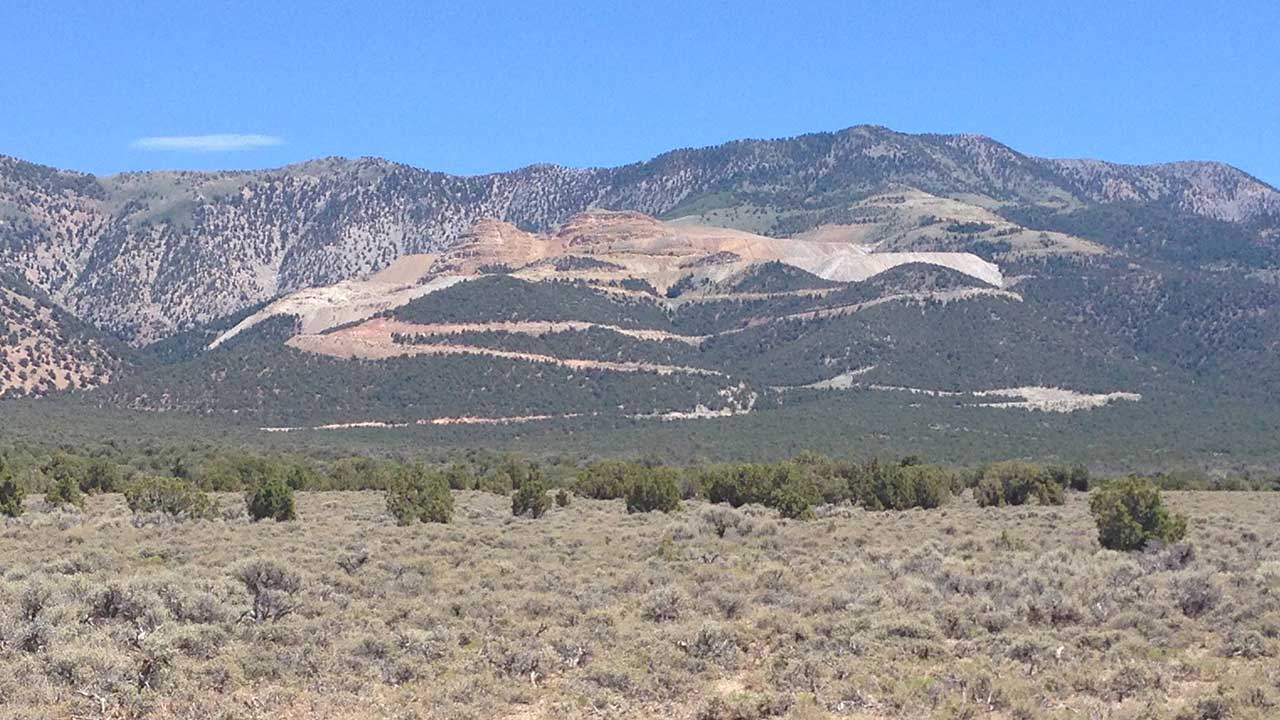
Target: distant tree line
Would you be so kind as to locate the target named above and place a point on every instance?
(1129, 511)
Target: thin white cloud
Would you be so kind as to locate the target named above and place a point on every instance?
(206, 143)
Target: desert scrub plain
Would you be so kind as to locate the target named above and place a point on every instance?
(708, 613)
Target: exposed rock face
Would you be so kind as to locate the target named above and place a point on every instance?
(623, 245)
(1208, 189)
(144, 255)
(491, 243)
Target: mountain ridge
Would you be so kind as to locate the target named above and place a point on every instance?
(989, 144)
(861, 129)
(129, 252)
(864, 269)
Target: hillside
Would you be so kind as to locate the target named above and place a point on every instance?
(649, 321)
(146, 255)
(805, 281)
(43, 349)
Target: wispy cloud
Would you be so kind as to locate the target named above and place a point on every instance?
(206, 143)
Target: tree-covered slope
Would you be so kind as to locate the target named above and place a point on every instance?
(45, 349)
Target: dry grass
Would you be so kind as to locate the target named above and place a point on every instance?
(588, 612)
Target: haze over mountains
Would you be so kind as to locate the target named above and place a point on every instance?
(948, 272)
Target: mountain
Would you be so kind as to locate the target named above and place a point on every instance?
(965, 295)
(147, 255)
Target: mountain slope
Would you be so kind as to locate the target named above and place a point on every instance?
(650, 320)
(43, 349)
(961, 291)
(145, 255)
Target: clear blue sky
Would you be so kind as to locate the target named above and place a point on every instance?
(475, 87)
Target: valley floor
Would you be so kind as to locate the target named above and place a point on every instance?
(959, 612)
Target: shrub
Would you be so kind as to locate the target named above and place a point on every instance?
(721, 519)
(531, 498)
(1249, 644)
(1058, 474)
(794, 491)
(272, 588)
(302, 477)
(65, 491)
(101, 476)
(11, 493)
(713, 642)
(664, 604)
(1196, 594)
(930, 487)
(171, 496)
(35, 598)
(360, 473)
(64, 473)
(1130, 513)
(1075, 477)
(460, 477)
(1079, 479)
(1014, 482)
(353, 560)
(606, 479)
(1207, 708)
(270, 498)
(793, 488)
(61, 467)
(794, 501)
(655, 489)
(416, 494)
(498, 483)
(989, 492)
(514, 473)
(562, 498)
(723, 484)
(740, 485)
(1050, 493)
(830, 479)
(900, 487)
(235, 473)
